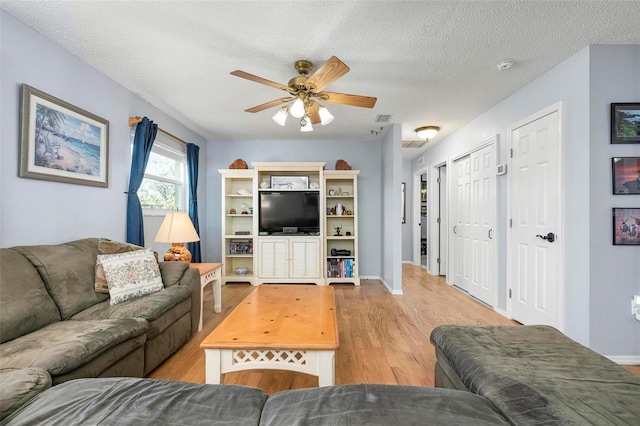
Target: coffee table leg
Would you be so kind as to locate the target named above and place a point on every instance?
(326, 368)
(212, 362)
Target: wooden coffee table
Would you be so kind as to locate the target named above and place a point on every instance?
(280, 327)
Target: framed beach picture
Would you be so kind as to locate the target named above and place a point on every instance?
(61, 142)
(625, 123)
(626, 226)
(626, 175)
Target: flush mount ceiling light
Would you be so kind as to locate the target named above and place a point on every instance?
(305, 92)
(427, 132)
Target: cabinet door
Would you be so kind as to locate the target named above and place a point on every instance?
(273, 259)
(305, 255)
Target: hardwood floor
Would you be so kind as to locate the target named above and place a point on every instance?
(383, 338)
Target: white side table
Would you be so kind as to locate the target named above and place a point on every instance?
(210, 273)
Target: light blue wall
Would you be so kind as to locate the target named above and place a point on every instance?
(42, 212)
(588, 255)
(361, 155)
(614, 270)
(391, 213)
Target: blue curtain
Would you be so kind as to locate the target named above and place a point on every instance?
(192, 170)
(143, 141)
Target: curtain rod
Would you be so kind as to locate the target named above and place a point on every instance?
(136, 120)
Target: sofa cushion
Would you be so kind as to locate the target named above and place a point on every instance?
(125, 401)
(536, 375)
(26, 304)
(172, 272)
(378, 405)
(65, 345)
(68, 271)
(151, 308)
(106, 246)
(131, 275)
(19, 385)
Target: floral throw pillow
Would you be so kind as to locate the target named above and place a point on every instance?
(131, 275)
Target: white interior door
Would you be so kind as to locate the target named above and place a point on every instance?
(461, 224)
(534, 250)
(442, 174)
(482, 212)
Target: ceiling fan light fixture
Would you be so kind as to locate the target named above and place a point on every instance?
(297, 109)
(325, 116)
(305, 124)
(281, 116)
(427, 132)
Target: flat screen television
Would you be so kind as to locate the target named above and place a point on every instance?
(278, 210)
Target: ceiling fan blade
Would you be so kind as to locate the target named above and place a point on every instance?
(260, 80)
(329, 72)
(314, 114)
(346, 99)
(268, 105)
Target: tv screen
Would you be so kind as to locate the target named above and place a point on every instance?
(280, 209)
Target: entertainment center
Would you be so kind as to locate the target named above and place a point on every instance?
(289, 223)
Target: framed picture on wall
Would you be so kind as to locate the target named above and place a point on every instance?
(625, 123)
(61, 142)
(626, 226)
(626, 175)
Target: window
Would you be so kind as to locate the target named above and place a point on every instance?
(164, 185)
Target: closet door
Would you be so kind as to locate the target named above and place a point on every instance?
(462, 224)
(482, 212)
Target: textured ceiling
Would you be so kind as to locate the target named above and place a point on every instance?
(427, 62)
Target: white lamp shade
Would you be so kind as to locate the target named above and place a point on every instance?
(305, 125)
(297, 109)
(177, 228)
(325, 116)
(281, 116)
(427, 132)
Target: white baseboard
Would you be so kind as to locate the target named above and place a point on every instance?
(501, 312)
(394, 292)
(625, 359)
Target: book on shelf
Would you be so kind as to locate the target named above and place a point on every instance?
(241, 247)
(340, 268)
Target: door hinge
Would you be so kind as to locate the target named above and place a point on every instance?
(510, 223)
(438, 260)
(509, 293)
(438, 180)
(511, 152)
(438, 220)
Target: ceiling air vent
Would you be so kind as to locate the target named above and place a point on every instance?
(383, 118)
(413, 144)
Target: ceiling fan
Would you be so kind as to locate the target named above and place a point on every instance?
(306, 92)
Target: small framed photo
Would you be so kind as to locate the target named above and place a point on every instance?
(61, 142)
(626, 175)
(625, 123)
(289, 182)
(626, 226)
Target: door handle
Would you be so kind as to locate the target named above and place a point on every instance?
(490, 231)
(454, 229)
(551, 237)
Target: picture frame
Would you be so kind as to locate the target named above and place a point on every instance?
(625, 175)
(625, 123)
(626, 226)
(289, 182)
(60, 142)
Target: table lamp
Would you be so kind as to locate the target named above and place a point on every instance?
(177, 229)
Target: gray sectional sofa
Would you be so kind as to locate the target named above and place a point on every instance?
(52, 318)
(535, 375)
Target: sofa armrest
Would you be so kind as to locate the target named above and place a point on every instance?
(20, 385)
(179, 273)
